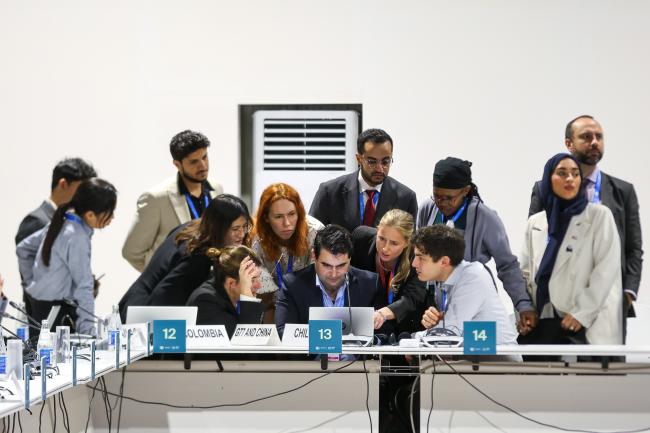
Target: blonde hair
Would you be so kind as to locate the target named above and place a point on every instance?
(403, 223)
(226, 260)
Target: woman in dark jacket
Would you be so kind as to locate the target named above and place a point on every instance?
(387, 251)
(180, 264)
(230, 296)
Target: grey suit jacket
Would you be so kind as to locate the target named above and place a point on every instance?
(35, 220)
(337, 201)
(619, 196)
(159, 212)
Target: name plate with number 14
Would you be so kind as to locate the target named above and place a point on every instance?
(480, 338)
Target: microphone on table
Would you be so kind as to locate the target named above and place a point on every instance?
(73, 303)
(9, 316)
(30, 318)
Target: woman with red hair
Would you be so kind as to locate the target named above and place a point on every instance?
(283, 237)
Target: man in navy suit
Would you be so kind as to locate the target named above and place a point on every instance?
(329, 282)
(364, 196)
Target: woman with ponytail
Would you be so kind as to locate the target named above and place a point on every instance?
(456, 203)
(229, 297)
(55, 261)
(181, 262)
(387, 250)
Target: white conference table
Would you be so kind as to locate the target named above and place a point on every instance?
(340, 401)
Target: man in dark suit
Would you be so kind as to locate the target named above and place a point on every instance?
(66, 177)
(363, 197)
(329, 282)
(585, 140)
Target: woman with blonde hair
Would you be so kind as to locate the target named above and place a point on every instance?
(229, 297)
(387, 250)
(283, 237)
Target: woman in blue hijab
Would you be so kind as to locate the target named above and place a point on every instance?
(571, 262)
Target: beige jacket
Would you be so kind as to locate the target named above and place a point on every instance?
(586, 278)
(159, 211)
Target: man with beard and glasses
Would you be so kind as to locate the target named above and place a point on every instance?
(177, 200)
(364, 196)
(585, 140)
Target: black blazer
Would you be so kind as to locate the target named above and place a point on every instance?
(215, 307)
(410, 300)
(169, 278)
(299, 292)
(337, 201)
(34, 221)
(619, 196)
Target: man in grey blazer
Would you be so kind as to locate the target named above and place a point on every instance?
(66, 177)
(364, 196)
(175, 201)
(584, 138)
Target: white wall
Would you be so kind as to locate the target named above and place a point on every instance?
(491, 81)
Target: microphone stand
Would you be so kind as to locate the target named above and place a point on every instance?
(9, 316)
(30, 318)
(75, 304)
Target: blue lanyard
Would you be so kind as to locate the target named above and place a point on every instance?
(458, 213)
(443, 300)
(238, 307)
(278, 270)
(190, 203)
(74, 218)
(596, 197)
(362, 206)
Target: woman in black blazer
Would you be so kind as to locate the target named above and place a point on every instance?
(229, 297)
(387, 251)
(180, 264)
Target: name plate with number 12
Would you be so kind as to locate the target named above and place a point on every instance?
(169, 336)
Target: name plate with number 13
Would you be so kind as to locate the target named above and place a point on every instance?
(325, 336)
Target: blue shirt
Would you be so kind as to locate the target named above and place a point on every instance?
(591, 184)
(327, 299)
(69, 275)
(471, 296)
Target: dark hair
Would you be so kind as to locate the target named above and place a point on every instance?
(375, 136)
(333, 238)
(94, 194)
(72, 169)
(568, 131)
(226, 261)
(210, 230)
(438, 241)
(186, 142)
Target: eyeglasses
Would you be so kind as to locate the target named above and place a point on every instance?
(438, 198)
(564, 174)
(372, 162)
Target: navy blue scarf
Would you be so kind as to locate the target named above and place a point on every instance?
(558, 215)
